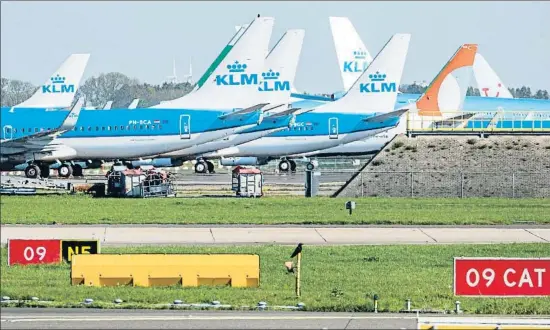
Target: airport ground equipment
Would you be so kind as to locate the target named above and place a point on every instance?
(147, 270)
(141, 182)
(312, 182)
(247, 182)
(13, 185)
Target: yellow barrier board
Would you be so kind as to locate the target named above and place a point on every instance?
(236, 270)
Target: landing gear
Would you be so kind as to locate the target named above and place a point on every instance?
(204, 166)
(201, 167)
(286, 164)
(77, 170)
(292, 166)
(210, 166)
(310, 166)
(65, 170)
(32, 171)
(44, 171)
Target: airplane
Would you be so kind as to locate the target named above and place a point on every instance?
(365, 110)
(353, 57)
(279, 71)
(56, 93)
(137, 133)
(450, 97)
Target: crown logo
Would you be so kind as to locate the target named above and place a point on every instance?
(236, 67)
(377, 76)
(360, 54)
(270, 75)
(57, 79)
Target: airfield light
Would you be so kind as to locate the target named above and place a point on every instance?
(376, 303)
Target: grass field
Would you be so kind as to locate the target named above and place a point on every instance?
(333, 279)
(82, 209)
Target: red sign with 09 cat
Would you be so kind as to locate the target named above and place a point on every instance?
(502, 277)
(34, 251)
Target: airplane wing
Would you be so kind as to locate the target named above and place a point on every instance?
(37, 141)
(382, 117)
(284, 113)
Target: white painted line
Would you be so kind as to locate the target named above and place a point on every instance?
(195, 318)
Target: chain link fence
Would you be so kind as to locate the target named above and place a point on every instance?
(449, 184)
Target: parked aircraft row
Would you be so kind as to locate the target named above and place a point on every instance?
(242, 110)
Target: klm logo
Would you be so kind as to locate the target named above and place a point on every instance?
(378, 84)
(359, 64)
(271, 82)
(237, 76)
(57, 86)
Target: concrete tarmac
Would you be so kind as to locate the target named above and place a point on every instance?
(311, 235)
(24, 318)
(40, 318)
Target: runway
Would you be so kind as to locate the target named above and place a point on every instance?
(26, 318)
(311, 235)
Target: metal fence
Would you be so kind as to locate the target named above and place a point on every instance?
(449, 184)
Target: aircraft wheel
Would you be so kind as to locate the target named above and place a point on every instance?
(210, 166)
(77, 170)
(32, 171)
(292, 166)
(200, 167)
(284, 165)
(310, 166)
(44, 171)
(65, 171)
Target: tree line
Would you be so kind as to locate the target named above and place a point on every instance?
(122, 89)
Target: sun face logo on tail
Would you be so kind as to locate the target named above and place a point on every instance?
(272, 83)
(359, 64)
(378, 84)
(57, 85)
(237, 76)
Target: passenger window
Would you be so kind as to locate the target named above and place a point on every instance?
(102, 128)
(152, 126)
(82, 128)
(121, 128)
(115, 127)
(135, 126)
(140, 126)
(97, 128)
(22, 130)
(89, 128)
(146, 126)
(108, 128)
(128, 127)
(15, 130)
(160, 126)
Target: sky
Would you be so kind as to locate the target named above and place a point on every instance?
(141, 38)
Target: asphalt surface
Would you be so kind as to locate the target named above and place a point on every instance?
(25, 318)
(316, 235)
(14, 318)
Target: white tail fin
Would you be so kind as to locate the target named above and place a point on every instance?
(353, 56)
(376, 89)
(235, 79)
(59, 90)
(488, 82)
(134, 104)
(280, 66)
